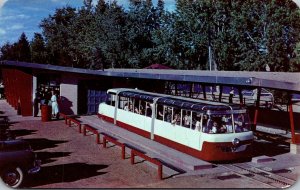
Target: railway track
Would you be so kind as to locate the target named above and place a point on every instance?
(260, 175)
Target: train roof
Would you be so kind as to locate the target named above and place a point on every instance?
(176, 101)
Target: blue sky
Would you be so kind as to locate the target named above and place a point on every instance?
(17, 16)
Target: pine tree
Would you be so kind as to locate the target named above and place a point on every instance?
(38, 49)
(24, 53)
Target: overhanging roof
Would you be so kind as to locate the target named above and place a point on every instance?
(275, 80)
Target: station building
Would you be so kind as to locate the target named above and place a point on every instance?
(81, 90)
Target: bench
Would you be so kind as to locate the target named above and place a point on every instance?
(93, 130)
(74, 121)
(152, 160)
(65, 117)
(107, 138)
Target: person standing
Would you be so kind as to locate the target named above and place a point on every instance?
(36, 103)
(54, 104)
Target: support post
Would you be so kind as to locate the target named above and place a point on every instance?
(220, 94)
(204, 91)
(256, 108)
(241, 96)
(292, 124)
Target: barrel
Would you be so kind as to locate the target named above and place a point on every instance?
(46, 112)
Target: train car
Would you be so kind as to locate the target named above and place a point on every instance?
(210, 131)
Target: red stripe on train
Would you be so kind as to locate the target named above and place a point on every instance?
(210, 151)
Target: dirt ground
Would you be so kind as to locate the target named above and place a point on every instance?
(71, 160)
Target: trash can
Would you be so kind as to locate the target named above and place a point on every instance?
(46, 112)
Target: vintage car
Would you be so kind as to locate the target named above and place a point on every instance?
(17, 159)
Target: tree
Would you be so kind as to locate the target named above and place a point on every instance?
(267, 32)
(57, 32)
(23, 48)
(38, 49)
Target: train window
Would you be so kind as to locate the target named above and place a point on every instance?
(217, 124)
(241, 123)
(227, 122)
(148, 109)
(176, 116)
(159, 112)
(111, 98)
(141, 107)
(187, 118)
(123, 101)
(196, 121)
(164, 113)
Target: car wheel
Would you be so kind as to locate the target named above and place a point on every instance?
(13, 177)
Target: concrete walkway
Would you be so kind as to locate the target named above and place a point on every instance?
(172, 159)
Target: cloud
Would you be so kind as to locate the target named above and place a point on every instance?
(14, 17)
(16, 27)
(2, 2)
(2, 32)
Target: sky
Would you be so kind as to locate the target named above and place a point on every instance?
(17, 16)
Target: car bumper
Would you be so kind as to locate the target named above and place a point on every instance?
(36, 167)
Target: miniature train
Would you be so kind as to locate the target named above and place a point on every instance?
(210, 131)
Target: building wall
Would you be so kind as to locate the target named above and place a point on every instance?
(18, 90)
(68, 95)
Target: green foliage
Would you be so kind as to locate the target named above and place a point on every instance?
(38, 49)
(242, 35)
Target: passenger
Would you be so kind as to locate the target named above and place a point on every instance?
(136, 110)
(126, 107)
(130, 107)
(149, 109)
(187, 120)
(168, 116)
(198, 123)
(222, 129)
(176, 119)
(239, 120)
(141, 110)
(214, 128)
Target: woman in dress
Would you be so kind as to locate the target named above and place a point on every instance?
(54, 104)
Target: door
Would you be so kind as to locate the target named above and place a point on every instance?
(94, 98)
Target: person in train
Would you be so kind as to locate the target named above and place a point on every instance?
(187, 119)
(176, 119)
(168, 115)
(198, 123)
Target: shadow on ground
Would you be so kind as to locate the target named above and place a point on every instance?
(42, 143)
(268, 148)
(22, 132)
(64, 173)
(48, 157)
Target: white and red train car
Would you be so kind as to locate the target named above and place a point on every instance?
(210, 131)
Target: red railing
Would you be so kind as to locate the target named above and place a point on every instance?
(114, 141)
(93, 130)
(152, 160)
